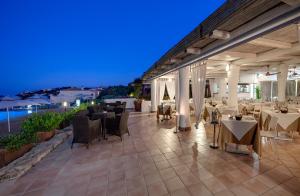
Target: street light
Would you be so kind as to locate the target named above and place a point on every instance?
(65, 104)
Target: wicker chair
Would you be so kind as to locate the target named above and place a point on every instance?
(166, 114)
(124, 104)
(123, 125)
(118, 110)
(95, 109)
(85, 130)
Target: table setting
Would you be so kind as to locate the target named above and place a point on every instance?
(239, 130)
(287, 121)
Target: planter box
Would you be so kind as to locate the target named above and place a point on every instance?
(9, 156)
(45, 135)
(138, 105)
(64, 124)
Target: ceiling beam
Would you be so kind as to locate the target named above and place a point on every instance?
(291, 2)
(269, 55)
(218, 34)
(210, 62)
(261, 63)
(239, 54)
(217, 69)
(174, 60)
(193, 51)
(295, 60)
(270, 43)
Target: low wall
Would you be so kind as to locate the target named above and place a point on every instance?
(146, 106)
(129, 101)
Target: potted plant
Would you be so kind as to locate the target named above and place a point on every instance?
(15, 146)
(44, 125)
(258, 92)
(138, 105)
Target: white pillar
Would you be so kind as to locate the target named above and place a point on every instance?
(233, 79)
(184, 106)
(154, 95)
(282, 78)
(222, 88)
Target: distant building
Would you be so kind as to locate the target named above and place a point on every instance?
(70, 95)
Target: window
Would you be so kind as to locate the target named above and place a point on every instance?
(290, 88)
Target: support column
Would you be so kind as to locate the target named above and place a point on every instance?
(154, 95)
(222, 88)
(184, 106)
(233, 79)
(282, 78)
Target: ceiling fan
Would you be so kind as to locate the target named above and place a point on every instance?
(294, 73)
(268, 73)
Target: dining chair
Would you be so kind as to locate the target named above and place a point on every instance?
(123, 126)
(269, 135)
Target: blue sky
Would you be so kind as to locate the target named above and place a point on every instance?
(52, 43)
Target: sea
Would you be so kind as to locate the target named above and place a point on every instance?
(14, 114)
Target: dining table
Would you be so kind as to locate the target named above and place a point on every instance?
(239, 132)
(288, 122)
(104, 116)
(221, 109)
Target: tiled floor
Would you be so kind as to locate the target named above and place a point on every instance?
(155, 161)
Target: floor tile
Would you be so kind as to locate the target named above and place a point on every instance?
(155, 161)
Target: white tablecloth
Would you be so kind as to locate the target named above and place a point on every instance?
(223, 109)
(284, 120)
(165, 108)
(227, 110)
(239, 128)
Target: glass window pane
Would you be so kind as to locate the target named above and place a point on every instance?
(266, 90)
(298, 87)
(290, 88)
(275, 89)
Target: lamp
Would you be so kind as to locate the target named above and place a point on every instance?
(227, 68)
(77, 102)
(214, 121)
(65, 104)
(92, 102)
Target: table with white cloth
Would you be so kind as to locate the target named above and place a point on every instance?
(225, 110)
(221, 109)
(286, 121)
(242, 132)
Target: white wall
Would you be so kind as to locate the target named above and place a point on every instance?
(246, 77)
(71, 95)
(146, 106)
(129, 101)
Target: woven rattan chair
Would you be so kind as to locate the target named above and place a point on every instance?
(85, 130)
(123, 126)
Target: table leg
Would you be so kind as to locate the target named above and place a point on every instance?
(104, 129)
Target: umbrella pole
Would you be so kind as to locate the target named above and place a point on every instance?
(8, 121)
(36, 109)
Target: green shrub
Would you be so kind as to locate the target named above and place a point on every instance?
(35, 123)
(42, 122)
(69, 115)
(16, 141)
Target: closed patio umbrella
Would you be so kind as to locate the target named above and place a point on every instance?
(40, 100)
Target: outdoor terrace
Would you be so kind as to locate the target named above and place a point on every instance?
(155, 161)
